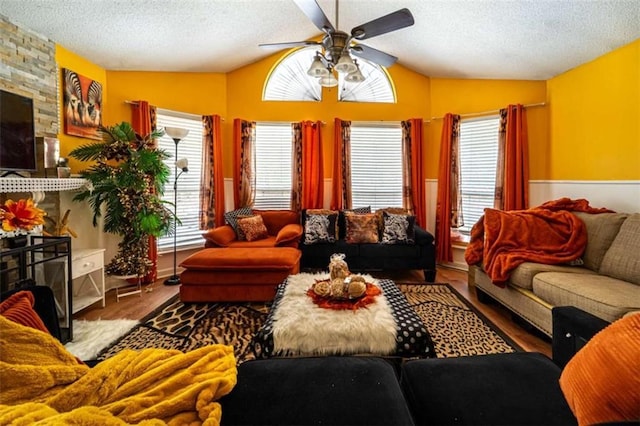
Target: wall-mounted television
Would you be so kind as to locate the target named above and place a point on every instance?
(17, 133)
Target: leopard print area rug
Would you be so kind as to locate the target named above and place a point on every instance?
(455, 327)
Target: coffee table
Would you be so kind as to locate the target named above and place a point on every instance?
(296, 326)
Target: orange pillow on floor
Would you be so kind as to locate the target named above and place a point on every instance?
(19, 308)
(601, 383)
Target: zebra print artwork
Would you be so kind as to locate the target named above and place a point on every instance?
(82, 106)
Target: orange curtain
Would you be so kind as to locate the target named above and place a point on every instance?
(143, 121)
(341, 195)
(512, 171)
(212, 178)
(413, 170)
(312, 173)
(243, 162)
(447, 209)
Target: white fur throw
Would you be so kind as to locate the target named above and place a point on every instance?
(300, 327)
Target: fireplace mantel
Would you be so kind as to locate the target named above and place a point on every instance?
(19, 184)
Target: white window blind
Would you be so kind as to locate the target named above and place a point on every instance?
(478, 159)
(273, 165)
(376, 165)
(188, 233)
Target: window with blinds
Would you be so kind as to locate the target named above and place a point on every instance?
(478, 160)
(188, 233)
(273, 148)
(289, 81)
(376, 165)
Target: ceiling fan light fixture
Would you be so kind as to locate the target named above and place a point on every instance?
(355, 76)
(345, 64)
(317, 68)
(328, 81)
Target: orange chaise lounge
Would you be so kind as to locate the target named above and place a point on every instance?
(249, 269)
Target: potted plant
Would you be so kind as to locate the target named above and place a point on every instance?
(127, 179)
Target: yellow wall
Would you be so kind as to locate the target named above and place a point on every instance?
(245, 87)
(194, 93)
(477, 96)
(589, 129)
(68, 59)
(595, 119)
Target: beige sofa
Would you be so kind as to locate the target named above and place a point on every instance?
(607, 285)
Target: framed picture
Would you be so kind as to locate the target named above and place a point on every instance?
(82, 106)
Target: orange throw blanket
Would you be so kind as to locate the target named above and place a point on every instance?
(549, 233)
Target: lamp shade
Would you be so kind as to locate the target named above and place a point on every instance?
(183, 164)
(355, 76)
(345, 64)
(317, 68)
(328, 81)
(176, 132)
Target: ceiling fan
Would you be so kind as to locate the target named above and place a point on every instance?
(338, 46)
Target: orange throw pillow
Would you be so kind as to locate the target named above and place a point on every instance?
(253, 228)
(19, 308)
(602, 380)
(361, 228)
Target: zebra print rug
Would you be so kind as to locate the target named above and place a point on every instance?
(456, 328)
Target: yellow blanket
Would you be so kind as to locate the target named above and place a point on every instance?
(41, 382)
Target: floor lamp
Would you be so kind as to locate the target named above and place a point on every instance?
(176, 133)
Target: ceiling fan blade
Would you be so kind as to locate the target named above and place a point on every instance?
(373, 55)
(315, 13)
(286, 45)
(394, 21)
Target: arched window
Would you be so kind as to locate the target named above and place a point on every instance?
(289, 81)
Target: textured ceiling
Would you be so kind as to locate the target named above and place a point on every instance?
(507, 39)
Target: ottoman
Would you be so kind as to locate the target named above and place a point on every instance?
(316, 391)
(236, 274)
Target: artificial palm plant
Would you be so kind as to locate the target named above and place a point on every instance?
(127, 180)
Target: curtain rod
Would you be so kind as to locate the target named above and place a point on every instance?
(495, 111)
(185, 113)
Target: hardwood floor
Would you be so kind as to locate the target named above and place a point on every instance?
(153, 296)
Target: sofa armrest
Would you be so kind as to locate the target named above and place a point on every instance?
(423, 237)
(572, 328)
(289, 235)
(219, 237)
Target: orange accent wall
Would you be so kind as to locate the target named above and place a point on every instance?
(595, 119)
(68, 59)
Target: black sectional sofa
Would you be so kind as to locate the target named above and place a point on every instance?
(374, 257)
(516, 388)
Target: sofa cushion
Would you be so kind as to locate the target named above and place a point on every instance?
(398, 229)
(342, 226)
(289, 234)
(523, 275)
(383, 251)
(316, 391)
(392, 210)
(275, 220)
(605, 297)
(602, 228)
(19, 308)
(231, 218)
(601, 381)
(500, 389)
(320, 228)
(234, 259)
(220, 236)
(361, 228)
(622, 260)
(253, 227)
